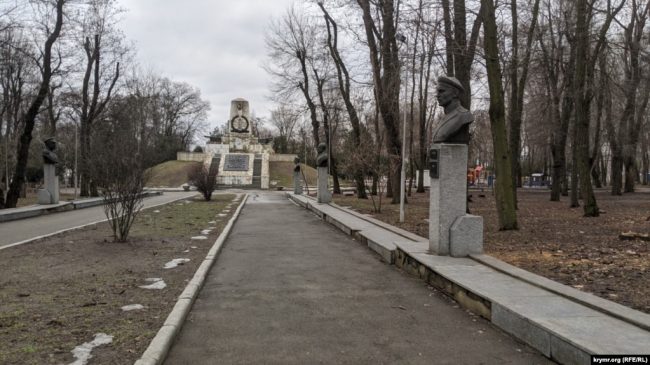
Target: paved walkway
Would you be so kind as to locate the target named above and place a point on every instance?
(288, 289)
(20, 230)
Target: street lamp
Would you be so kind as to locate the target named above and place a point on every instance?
(76, 167)
(402, 39)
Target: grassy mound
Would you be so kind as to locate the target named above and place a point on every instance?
(282, 173)
(170, 174)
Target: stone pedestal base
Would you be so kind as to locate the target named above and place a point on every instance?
(466, 236)
(51, 186)
(44, 197)
(297, 183)
(448, 203)
(324, 195)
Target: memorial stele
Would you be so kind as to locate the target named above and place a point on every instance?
(242, 159)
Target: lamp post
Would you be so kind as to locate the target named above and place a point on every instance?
(6, 165)
(76, 168)
(402, 184)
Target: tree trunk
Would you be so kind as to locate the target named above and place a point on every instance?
(29, 118)
(335, 176)
(505, 199)
(583, 103)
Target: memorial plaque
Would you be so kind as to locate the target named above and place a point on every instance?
(236, 163)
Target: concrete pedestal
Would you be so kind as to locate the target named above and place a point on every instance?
(466, 236)
(324, 195)
(297, 183)
(51, 186)
(448, 202)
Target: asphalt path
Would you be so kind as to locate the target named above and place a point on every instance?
(20, 230)
(290, 289)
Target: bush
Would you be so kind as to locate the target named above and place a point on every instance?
(119, 168)
(204, 178)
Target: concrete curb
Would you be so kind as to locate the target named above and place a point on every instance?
(608, 307)
(157, 351)
(38, 238)
(13, 214)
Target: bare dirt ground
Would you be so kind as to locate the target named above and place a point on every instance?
(556, 241)
(58, 293)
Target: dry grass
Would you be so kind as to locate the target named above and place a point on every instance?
(58, 292)
(170, 174)
(282, 172)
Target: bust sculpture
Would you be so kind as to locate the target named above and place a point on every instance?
(454, 127)
(49, 156)
(297, 162)
(322, 159)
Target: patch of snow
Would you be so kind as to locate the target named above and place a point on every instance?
(82, 352)
(193, 247)
(158, 284)
(156, 211)
(222, 215)
(212, 222)
(132, 307)
(199, 238)
(186, 251)
(206, 231)
(226, 211)
(175, 262)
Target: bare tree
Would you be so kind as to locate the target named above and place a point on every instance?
(290, 44)
(103, 52)
(558, 80)
(518, 85)
(284, 119)
(29, 117)
(636, 97)
(344, 87)
(505, 198)
(586, 59)
(384, 60)
(460, 50)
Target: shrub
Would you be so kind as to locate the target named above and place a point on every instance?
(204, 178)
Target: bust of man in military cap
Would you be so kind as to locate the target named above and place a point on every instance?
(454, 127)
(322, 159)
(296, 161)
(49, 156)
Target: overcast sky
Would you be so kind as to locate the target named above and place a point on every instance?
(216, 45)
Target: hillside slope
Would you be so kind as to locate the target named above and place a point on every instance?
(170, 174)
(282, 173)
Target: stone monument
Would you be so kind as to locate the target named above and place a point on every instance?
(451, 230)
(241, 158)
(322, 161)
(297, 179)
(50, 194)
